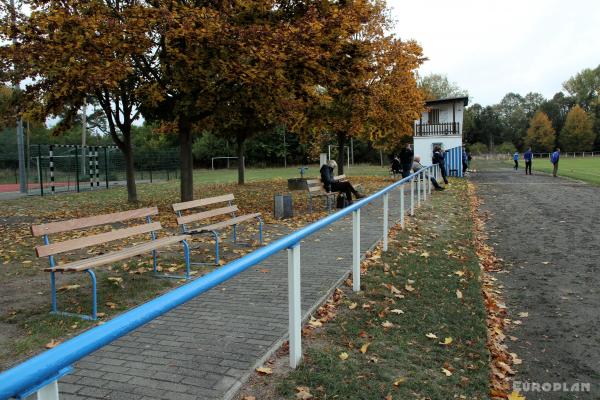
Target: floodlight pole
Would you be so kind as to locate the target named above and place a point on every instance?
(20, 139)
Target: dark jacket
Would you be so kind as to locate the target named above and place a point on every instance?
(406, 157)
(528, 155)
(438, 158)
(327, 176)
(396, 165)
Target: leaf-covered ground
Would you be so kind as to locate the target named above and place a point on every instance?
(25, 325)
(417, 330)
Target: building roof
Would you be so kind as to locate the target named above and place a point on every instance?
(463, 99)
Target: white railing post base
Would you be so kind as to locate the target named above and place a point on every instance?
(356, 250)
(295, 313)
(48, 392)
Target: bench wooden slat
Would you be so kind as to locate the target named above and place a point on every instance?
(313, 181)
(202, 202)
(315, 189)
(79, 223)
(110, 258)
(74, 244)
(223, 224)
(186, 219)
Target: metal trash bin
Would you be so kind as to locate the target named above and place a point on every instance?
(283, 207)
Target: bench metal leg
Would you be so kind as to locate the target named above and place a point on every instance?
(186, 255)
(93, 316)
(260, 229)
(94, 294)
(217, 259)
(260, 234)
(53, 290)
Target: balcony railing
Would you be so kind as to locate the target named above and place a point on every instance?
(440, 129)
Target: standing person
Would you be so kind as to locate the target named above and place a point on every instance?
(333, 185)
(406, 159)
(554, 160)
(396, 166)
(528, 157)
(465, 161)
(438, 158)
(516, 160)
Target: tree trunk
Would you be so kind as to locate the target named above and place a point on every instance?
(125, 146)
(130, 174)
(186, 161)
(241, 144)
(341, 138)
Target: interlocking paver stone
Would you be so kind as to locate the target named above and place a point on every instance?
(205, 348)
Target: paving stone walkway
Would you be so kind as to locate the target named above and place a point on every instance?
(206, 348)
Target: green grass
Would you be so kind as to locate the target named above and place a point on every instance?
(261, 174)
(585, 169)
(403, 353)
(114, 297)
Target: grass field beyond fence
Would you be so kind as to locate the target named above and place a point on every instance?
(585, 169)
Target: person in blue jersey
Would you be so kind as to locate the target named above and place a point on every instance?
(465, 160)
(528, 157)
(516, 160)
(554, 160)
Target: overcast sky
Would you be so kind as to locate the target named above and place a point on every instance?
(492, 48)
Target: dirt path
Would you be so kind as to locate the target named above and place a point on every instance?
(547, 230)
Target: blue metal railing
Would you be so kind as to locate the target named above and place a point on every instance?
(48, 365)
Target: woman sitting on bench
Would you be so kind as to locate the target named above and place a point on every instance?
(332, 185)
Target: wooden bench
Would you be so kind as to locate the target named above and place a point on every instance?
(51, 250)
(316, 189)
(209, 214)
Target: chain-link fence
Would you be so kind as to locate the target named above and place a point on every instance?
(60, 168)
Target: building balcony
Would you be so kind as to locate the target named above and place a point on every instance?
(439, 129)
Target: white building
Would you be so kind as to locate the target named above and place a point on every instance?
(440, 124)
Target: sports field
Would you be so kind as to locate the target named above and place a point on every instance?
(585, 169)
(261, 174)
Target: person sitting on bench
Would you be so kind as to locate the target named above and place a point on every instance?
(396, 166)
(332, 185)
(416, 166)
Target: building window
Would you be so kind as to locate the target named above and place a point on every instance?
(433, 116)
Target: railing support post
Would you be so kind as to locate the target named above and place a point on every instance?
(412, 196)
(424, 185)
(402, 206)
(295, 312)
(385, 221)
(419, 175)
(356, 250)
(48, 392)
